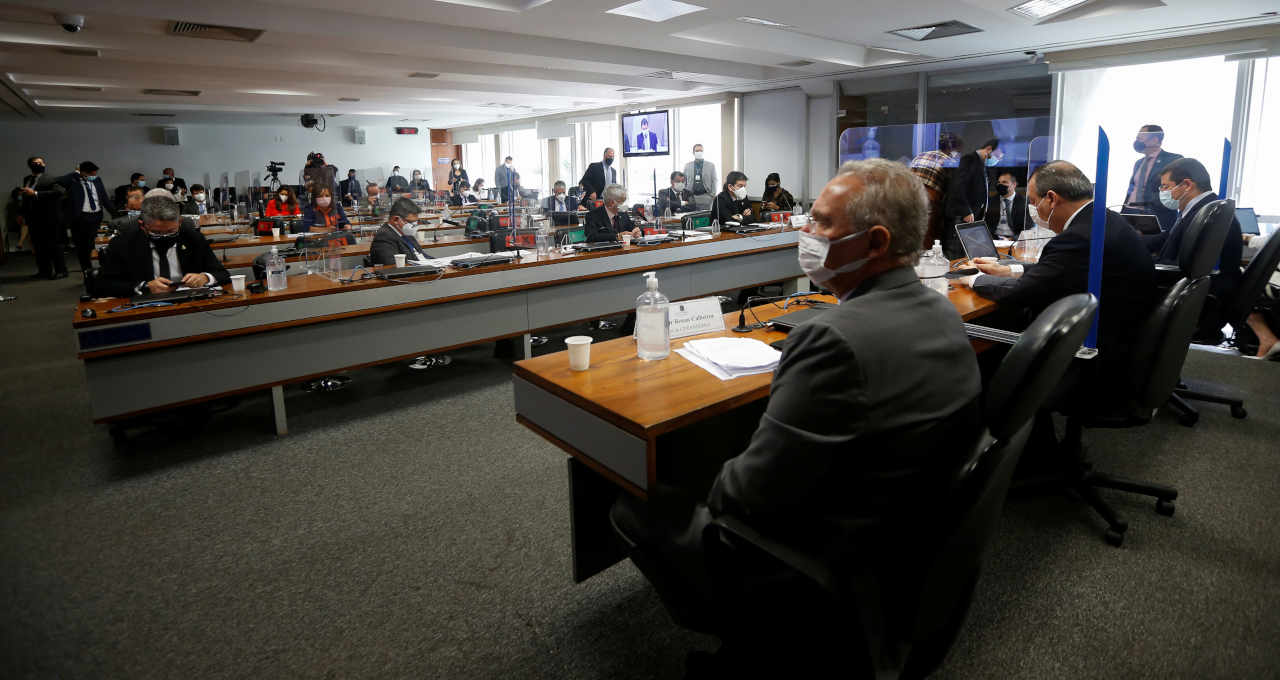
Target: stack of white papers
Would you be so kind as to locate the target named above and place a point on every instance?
(729, 358)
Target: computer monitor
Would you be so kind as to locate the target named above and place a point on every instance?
(1248, 220)
(975, 238)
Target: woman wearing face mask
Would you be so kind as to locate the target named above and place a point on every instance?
(418, 183)
(731, 203)
(478, 190)
(324, 213)
(775, 197)
(284, 204)
(458, 174)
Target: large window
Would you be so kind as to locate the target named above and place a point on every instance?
(699, 124)
(1259, 173)
(526, 156)
(478, 159)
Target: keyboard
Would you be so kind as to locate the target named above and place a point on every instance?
(176, 296)
(593, 247)
(405, 272)
(473, 262)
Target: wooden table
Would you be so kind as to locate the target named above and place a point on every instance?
(618, 421)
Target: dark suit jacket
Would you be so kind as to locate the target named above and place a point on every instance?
(1128, 281)
(1165, 247)
(189, 206)
(967, 190)
(420, 185)
(458, 200)
(45, 208)
(120, 195)
(653, 141)
(387, 243)
(1017, 214)
(677, 202)
(549, 204)
(127, 260)
(600, 228)
(595, 178)
(459, 175)
(867, 413)
(1149, 197)
(726, 206)
(350, 186)
(397, 183)
(74, 200)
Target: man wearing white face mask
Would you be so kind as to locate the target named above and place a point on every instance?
(675, 199)
(701, 177)
(866, 409)
(731, 204)
(398, 236)
(199, 202)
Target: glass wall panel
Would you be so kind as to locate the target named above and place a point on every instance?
(1260, 174)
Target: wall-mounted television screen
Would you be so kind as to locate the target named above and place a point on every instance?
(646, 134)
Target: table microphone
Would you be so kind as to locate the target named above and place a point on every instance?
(742, 326)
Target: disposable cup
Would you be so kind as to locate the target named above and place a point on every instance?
(400, 259)
(626, 239)
(579, 352)
(237, 282)
(275, 232)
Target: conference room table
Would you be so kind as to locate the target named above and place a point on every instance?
(144, 359)
(629, 424)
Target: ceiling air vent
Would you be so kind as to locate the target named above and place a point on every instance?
(424, 75)
(944, 29)
(797, 63)
(188, 29)
(665, 75)
(172, 93)
(348, 99)
(80, 51)
(153, 115)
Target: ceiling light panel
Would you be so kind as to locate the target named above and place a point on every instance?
(1039, 10)
(763, 22)
(943, 29)
(282, 93)
(655, 10)
(778, 41)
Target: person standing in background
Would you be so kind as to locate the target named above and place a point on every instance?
(967, 194)
(503, 176)
(83, 205)
(396, 183)
(933, 169)
(350, 189)
(40, 209)
(458, 174)
(1144, 185)
(701, 177)
(598, 176)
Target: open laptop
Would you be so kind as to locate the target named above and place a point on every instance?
(976, 240)
(1248, 220)
(1145, 224)
(789, 321)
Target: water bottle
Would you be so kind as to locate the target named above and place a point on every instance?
(276, 279)
(653, 335)
(935, 267)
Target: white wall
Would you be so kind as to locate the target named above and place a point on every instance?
(822, 143)
(774, 139)
(207, 151)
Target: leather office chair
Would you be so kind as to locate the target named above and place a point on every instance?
(907, 609)
(1235, 311)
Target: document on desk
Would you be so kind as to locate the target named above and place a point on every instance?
(729, 358)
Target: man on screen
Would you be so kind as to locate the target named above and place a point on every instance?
(646, 140)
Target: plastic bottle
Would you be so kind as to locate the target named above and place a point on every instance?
(653, 335)
(934, 267)
(276, 278)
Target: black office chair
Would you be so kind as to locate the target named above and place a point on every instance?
(904, 597)
(1235, 311)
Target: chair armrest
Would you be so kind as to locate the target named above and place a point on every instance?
(1004, 337)
(811, 566)
(1172, 268)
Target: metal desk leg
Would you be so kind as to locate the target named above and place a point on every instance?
(277, 406)
(527, 344)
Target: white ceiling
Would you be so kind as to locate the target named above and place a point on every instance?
(497, 61)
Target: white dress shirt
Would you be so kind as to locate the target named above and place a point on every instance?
(175, 269)
(90, 189)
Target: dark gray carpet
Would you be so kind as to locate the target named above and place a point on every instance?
(408, 527)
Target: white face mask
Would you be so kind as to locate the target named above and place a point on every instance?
(283, 198)
(697, 155)
(813, 251)
(678, 186)
(1167, 199)
(1042, 222)
(508, 164)
(457, 165)
(409, 228)
(740, 193)
(323, 201)
(199, 197)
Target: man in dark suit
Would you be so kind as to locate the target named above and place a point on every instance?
(608, 222)
(396, 183)
(82, 209)
(967, 194)
(1143, 196)
(1061, 198)
(598, 175)
(349, 189)
(559, 200)
(676, 197)
(41, 208)
(461, 195)
(178, 182)
(872, 405)
(398, 236)
(131, 211)
(1007, 210)
(158, 255)
(137, 179)
(1185, 183)
(646, 140)
(199, 203)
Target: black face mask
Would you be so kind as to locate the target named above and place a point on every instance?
(1004, 189)
(608, 161)
(1139, 146)
(36, 168)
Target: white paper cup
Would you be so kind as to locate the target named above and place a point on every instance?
(400, 259)
(579, 352)
(275, 232)
(237, 282)
(626, 239)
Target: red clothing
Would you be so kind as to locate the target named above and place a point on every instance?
(275, 208)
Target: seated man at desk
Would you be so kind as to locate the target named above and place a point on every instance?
(199, 203)
(868, 405)
(608, 222)
(132, 204)
(731, 204)
(675, 199)
(461, 195)
(398, 236)
(158, 255)
(559, 200)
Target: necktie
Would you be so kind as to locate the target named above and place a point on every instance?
(162, 249)
(1140, 187)
(615, 224)
(88, 190)
(201, 207)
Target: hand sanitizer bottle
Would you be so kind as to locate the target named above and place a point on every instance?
(276, 278)
(653, 335)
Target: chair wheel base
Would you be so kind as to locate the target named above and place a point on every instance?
(1165, 508)
(1239, 412)
(1114, 538)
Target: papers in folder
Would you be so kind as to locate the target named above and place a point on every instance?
(729, 358)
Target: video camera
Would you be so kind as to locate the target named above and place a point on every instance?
(274, 167)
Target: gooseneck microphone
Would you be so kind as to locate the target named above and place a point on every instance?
(742, 326)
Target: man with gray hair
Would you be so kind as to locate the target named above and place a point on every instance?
(609, 222)
(872, 403)
(158, 254)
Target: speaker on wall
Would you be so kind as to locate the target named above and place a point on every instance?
(357, 135)
(170, 136)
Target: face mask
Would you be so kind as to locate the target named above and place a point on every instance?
(162, 239)
(199, 197)
(697, 155)
(740, 193)
(955, 154)
(168, 187)
(772, 187)
(560, 192)
(323, 201)
(1042, 222)
(813, 252)
(508, 164)
(991, 161)
(608, 161)
(395, 171)
(457, 166)
(142, 182)
(1139, 146)
(678, 186)
(1003, 189)
(1167, 199)
(91, 177)
(409, 228)
(36, 168)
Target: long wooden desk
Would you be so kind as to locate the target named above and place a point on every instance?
(625, 421)
(150, 358)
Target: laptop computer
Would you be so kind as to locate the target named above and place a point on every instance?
(787, 322)
(600, 245)
(1248, 220)
(473, 262)
(404, 272)
(652, 240)
(176, 296)
(1145, 224)
(747, 228)
(976, 240)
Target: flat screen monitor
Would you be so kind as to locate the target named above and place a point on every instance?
(1248, 220)
(646, 134)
